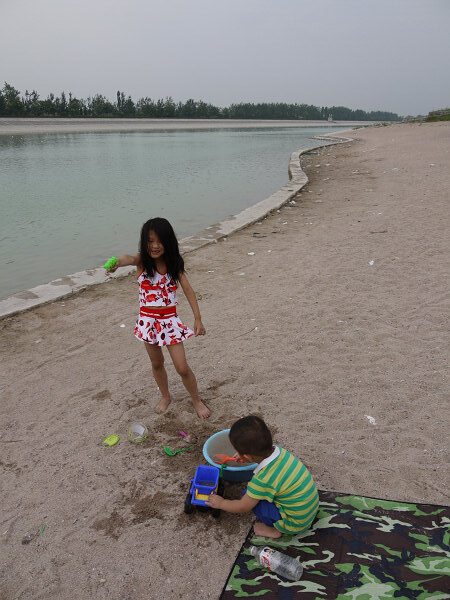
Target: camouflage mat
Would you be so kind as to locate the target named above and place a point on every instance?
(358, 549)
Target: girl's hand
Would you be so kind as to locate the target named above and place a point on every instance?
(126, 260)
(214, 501)
(199, 328)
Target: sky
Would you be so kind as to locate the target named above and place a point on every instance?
(390, 55)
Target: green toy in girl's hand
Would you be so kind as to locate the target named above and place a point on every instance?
(110, 263)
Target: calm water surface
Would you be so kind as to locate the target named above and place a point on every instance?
(69, 201)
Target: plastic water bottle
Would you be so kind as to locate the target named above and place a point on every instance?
(279, 563)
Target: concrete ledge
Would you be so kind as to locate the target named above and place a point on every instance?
(258, 211)
(55, 290)
(71, 284)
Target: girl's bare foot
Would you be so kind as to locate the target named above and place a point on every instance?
(201, 409)
(162, 405)
(266, 531)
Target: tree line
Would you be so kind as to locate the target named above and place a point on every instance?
(13, 104)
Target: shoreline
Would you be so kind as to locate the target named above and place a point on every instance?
(74, 283)
(25, 126)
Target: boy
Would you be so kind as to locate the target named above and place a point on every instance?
(281, 493)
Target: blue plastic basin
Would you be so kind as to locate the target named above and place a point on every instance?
(219, 443)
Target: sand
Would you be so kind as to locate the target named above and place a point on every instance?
(329, 318)
(21, 126)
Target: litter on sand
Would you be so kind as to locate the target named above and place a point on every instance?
(27, 539)
(137, 432)
(371, 419)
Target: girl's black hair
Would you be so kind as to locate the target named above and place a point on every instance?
(164, 230)
(250, 435)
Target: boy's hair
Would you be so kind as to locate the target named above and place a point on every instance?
(164, 230)
(250, 435)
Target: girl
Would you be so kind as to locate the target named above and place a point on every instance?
(161, 267)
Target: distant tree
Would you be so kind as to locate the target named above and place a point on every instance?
(159, 108)
(48, 106)
(145, 107)
(124, 107)
(341, 113)
(359, 115)
(188, 110)
(2, 104)
(278, 110)
(75, 107)
(128, 108)
(382, 116)
(13, 103)
(62, 105)
(207, 111)
(169, 108)
(99, 106)
(120, 101)
(31, 103)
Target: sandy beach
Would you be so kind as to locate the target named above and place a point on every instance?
(18, 126)
(329, 318)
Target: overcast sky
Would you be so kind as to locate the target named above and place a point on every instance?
(371, 54)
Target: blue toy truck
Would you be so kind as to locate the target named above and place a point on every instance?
(206, 481)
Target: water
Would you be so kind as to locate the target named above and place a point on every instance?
(69, 201)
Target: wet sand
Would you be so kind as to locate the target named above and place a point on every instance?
(329, 318)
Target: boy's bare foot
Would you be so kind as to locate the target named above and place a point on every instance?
(265, 531)
(201, 409)
(162, 405)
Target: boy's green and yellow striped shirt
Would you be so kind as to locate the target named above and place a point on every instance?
(287, 483)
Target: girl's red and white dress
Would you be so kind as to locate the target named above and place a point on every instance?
(163, 326)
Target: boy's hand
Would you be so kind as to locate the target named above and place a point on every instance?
(199, 328)
(214, 501)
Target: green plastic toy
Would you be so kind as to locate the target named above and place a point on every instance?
(110, 263)
(170, 452)
(111, 440)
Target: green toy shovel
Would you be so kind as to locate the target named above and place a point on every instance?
(168, 451)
